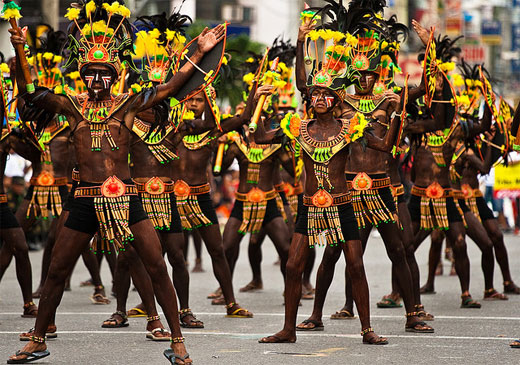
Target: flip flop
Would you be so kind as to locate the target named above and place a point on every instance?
(411, 328)
(117, 325)
(235, 315)
(470, 303)
(151, 335)
(342, 314)
(388, 303)
(31, 356)
(140, 313)
(99, 299)
(318, 326)
(515, 344)
(172, 356)
(194, 323)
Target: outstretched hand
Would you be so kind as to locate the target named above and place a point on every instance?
(423, 33)
(305, 29)
(208, 39)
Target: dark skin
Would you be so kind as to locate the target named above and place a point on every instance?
(323, 128)
(96, 167)
(276, 229)
(372, 161)
(14, 240)
(188, 168)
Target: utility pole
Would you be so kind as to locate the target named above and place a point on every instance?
(50, 12)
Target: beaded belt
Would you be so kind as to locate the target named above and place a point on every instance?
(46, 179)
(434, 191)
(292, 190)
(280, 188)
(339, 199)
(75, 175)
(183, 190)
(3, 198)
(256, 195)
(468, 192)
(111, 188)
(397, 190)
(362, 181)
(155, 186)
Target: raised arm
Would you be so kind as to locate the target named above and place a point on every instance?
(385, 144)
(301, 77)
(207, 40)
(238, 121)
(484, 124)
(477, 163)
(43, 98)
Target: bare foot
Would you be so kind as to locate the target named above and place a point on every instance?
(427, 289)
(280, 337)
(252, 286)
(198, 266)
(30, 347)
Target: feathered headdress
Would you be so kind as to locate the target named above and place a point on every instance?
(47, 55)
(286, 54)
(99, 32)
(159, 44)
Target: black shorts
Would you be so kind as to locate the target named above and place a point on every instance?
(7, 218)
(414, 206)
(69, 200)
(83, 217)
(463, 206)
(401, 199)
(483, 209)
(271, 211)
(349, 226)
(385, 193)
(206, 207)
(175, 224)
(284, 198)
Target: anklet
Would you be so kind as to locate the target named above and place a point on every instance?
(177, 339)
(153, 318)
(419, 306)
(367, 330)
(489, 291)
(99, 287)
(230, 305)
(411, 314)
(187, 310)
(38, 339)
(27, 305)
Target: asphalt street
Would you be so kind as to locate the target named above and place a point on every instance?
(462, 336)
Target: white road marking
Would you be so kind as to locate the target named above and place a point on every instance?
(222, 314)
(259, 335)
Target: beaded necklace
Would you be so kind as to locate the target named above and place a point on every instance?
(48, 135)
(255, 153)
(365, 104)
(97, 114)
(154, 140)
(435, 142)
(197, 141)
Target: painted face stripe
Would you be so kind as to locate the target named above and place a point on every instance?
(106, 81)
(89, 80)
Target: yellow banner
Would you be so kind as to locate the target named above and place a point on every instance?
(507, 178)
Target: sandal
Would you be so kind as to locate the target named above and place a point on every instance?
(318, 325)
(49, 333)
(30, 310)
(307, 295)
(123, 323)
(216, 294)
(136, 312)
(235, 313)
(343, 314)
(194, 323)
(31, 356)
(377, 340)
(173, 357)
(511, 288)
(250, 287)
(492, 294)
(515, 344)
(165, 335)
(417, 327)
(469, 303)
(422, 314)
(98, 298)
(86, 283)
(219, 301)
(387, 302)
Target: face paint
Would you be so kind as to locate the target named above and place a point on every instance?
(330, 101)
(89, 80)
(314, 100)
(106, 81)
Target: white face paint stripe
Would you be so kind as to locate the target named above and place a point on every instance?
(329, 100)
(106, 81)
(89, 80)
